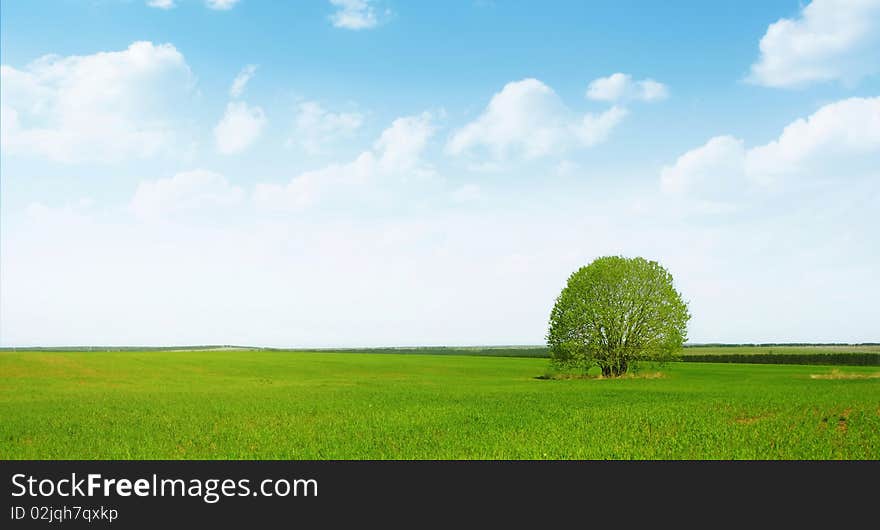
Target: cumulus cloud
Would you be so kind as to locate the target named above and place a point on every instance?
(316, 127)
(621, 87)
(840, 141)
(161, 4)
(833, 140)
(239, 128)
(712, 169)
(308, 187)
(830, 40)
(354, 14)
(221, 5)
(105, 107)
(400, 146)
(185, 192)
(241, 80)
(527, 117)
(397, 153)
(595, 128)
(241, 124)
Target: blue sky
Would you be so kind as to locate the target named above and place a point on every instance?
(398, 173)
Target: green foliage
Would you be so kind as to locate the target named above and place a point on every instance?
(289, 405)
(614, 313)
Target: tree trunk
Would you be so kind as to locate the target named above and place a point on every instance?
(615, 370)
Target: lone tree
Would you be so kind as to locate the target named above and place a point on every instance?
(615, 312)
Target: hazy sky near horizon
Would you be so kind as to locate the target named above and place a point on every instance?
(366, 173)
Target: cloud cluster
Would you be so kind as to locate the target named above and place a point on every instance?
(289, 270)
(527, 118)
(620, 87)
(830, 40)
(839, 142)
(221, 5)
(399, 148)
(241, 124)
(239, 128)
(397, 153)
(105, 107)
(354, 14)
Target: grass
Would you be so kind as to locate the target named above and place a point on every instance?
(288, 405)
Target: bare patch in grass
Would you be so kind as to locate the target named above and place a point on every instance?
(837, 374)
(841, 420)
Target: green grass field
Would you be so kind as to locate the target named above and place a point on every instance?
(287, 405)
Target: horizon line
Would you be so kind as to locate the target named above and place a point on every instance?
(410, 347)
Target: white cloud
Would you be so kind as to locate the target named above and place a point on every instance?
(221, 4)
(527, 117)
(400, 146)
(241, 124)
(829, 142)
(830, 40)
(710, 170)
(309, 187)
(595, 128)
(397, 153)
(838, 142)
(315, 127)
(241, 80)
(240, 127)
(354, 14)
(161, 4)
(109, 106)
(650, 90)
(185, 192)
(621, 87)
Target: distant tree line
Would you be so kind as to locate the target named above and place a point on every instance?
(834, 359)
(843, 358)
(766, 344)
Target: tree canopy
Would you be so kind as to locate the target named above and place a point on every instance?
(615, 312)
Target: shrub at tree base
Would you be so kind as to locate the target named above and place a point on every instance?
(614, 313)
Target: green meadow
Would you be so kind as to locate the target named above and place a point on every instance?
(253, 404)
